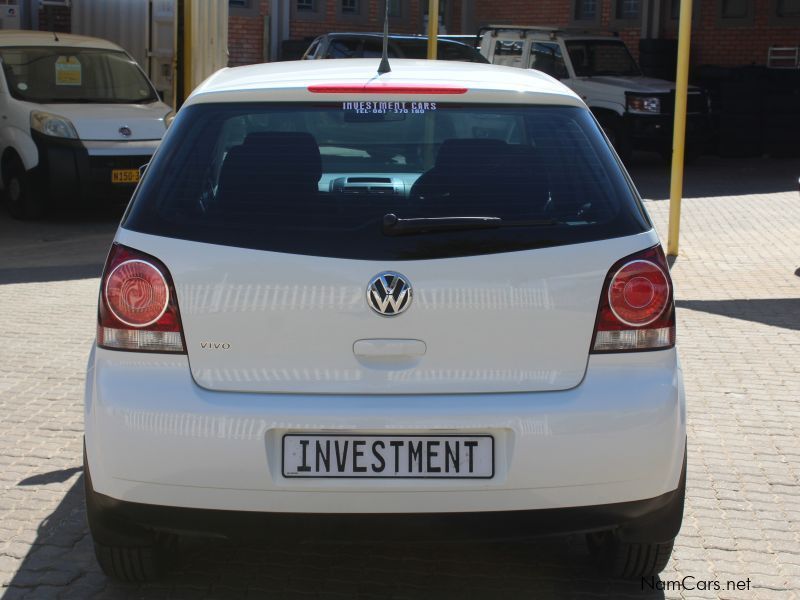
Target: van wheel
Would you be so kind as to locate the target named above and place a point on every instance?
(23, 200)
(628, 560)
(124, 551)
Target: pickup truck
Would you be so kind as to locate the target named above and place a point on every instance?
(636, 112)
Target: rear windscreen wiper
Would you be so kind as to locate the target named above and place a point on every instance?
(394, 225)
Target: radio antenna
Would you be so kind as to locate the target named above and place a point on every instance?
(384, 66)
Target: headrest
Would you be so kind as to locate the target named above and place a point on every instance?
(282, 154)
(457, 153)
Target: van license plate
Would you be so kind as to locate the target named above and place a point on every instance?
(124, 175)
(388, 456)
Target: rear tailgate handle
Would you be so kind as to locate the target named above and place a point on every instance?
(388, 348)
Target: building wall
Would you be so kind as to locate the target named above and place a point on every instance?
(371, 19)
(713, 42)
(246, 33)
(728, 45)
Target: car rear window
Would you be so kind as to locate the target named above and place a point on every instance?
(329, 179)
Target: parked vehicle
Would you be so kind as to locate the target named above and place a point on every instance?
(79, 117)
(636, 112)
(370, 45)
(345, 298)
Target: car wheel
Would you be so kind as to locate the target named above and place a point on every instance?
(125, 551)
(647, 552)
(628, 560)
(23, 200)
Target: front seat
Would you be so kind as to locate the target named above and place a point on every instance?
(268, 169)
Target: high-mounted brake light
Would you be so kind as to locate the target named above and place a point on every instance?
(378, 88)
(636, 309)
(138, 309)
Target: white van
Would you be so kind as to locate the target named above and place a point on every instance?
(78, 118)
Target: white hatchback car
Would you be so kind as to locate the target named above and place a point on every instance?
(79, 117)
(431, 297)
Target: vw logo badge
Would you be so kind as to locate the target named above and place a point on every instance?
(125, 130)
(389, 293)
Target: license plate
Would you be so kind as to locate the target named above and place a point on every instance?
(124, 175)
(388, 456)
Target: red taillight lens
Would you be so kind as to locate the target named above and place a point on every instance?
(636, 307)
(382, 88)
(137, 293)
(138, 307)
(638, 293)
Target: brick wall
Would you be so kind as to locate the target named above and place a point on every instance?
(371, 20)
(716, 44)
(246, 34)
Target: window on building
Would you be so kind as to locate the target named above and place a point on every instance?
(243, 7)
(312, 10)
(396, 8)
(626, 10)
(350, 7)
(734, 9)
(788, 9)
(442, 16)
(585, 10)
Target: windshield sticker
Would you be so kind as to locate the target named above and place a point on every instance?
(22, 86)
(388, 108)
(68, 71)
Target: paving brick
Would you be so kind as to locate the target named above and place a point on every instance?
(739, 339)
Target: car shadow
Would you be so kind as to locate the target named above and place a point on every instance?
(61, 562)
(778, 312)
(43, 274)
(714, 176)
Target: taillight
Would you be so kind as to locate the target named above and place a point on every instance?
(138, 307)
(386, 88)
(637, 310)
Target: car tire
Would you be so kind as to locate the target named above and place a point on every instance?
(626, 560)
(23, 200)
(125, 551)
(641, 548)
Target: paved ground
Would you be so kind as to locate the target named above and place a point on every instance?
(739, 335)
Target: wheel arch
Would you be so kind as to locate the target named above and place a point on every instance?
(22, 146)
(607, 112)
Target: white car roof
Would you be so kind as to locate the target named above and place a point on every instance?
(504, 31)
(18, 37)
(289, 81)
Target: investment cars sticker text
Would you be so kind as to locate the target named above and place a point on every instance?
(392, 108)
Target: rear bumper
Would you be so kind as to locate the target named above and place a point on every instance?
(653, 519)
(654, 132)
(73, 170)
(155, 437)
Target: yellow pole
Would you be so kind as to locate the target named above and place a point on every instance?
(188, 73)
(679, 128)
(433, 28)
